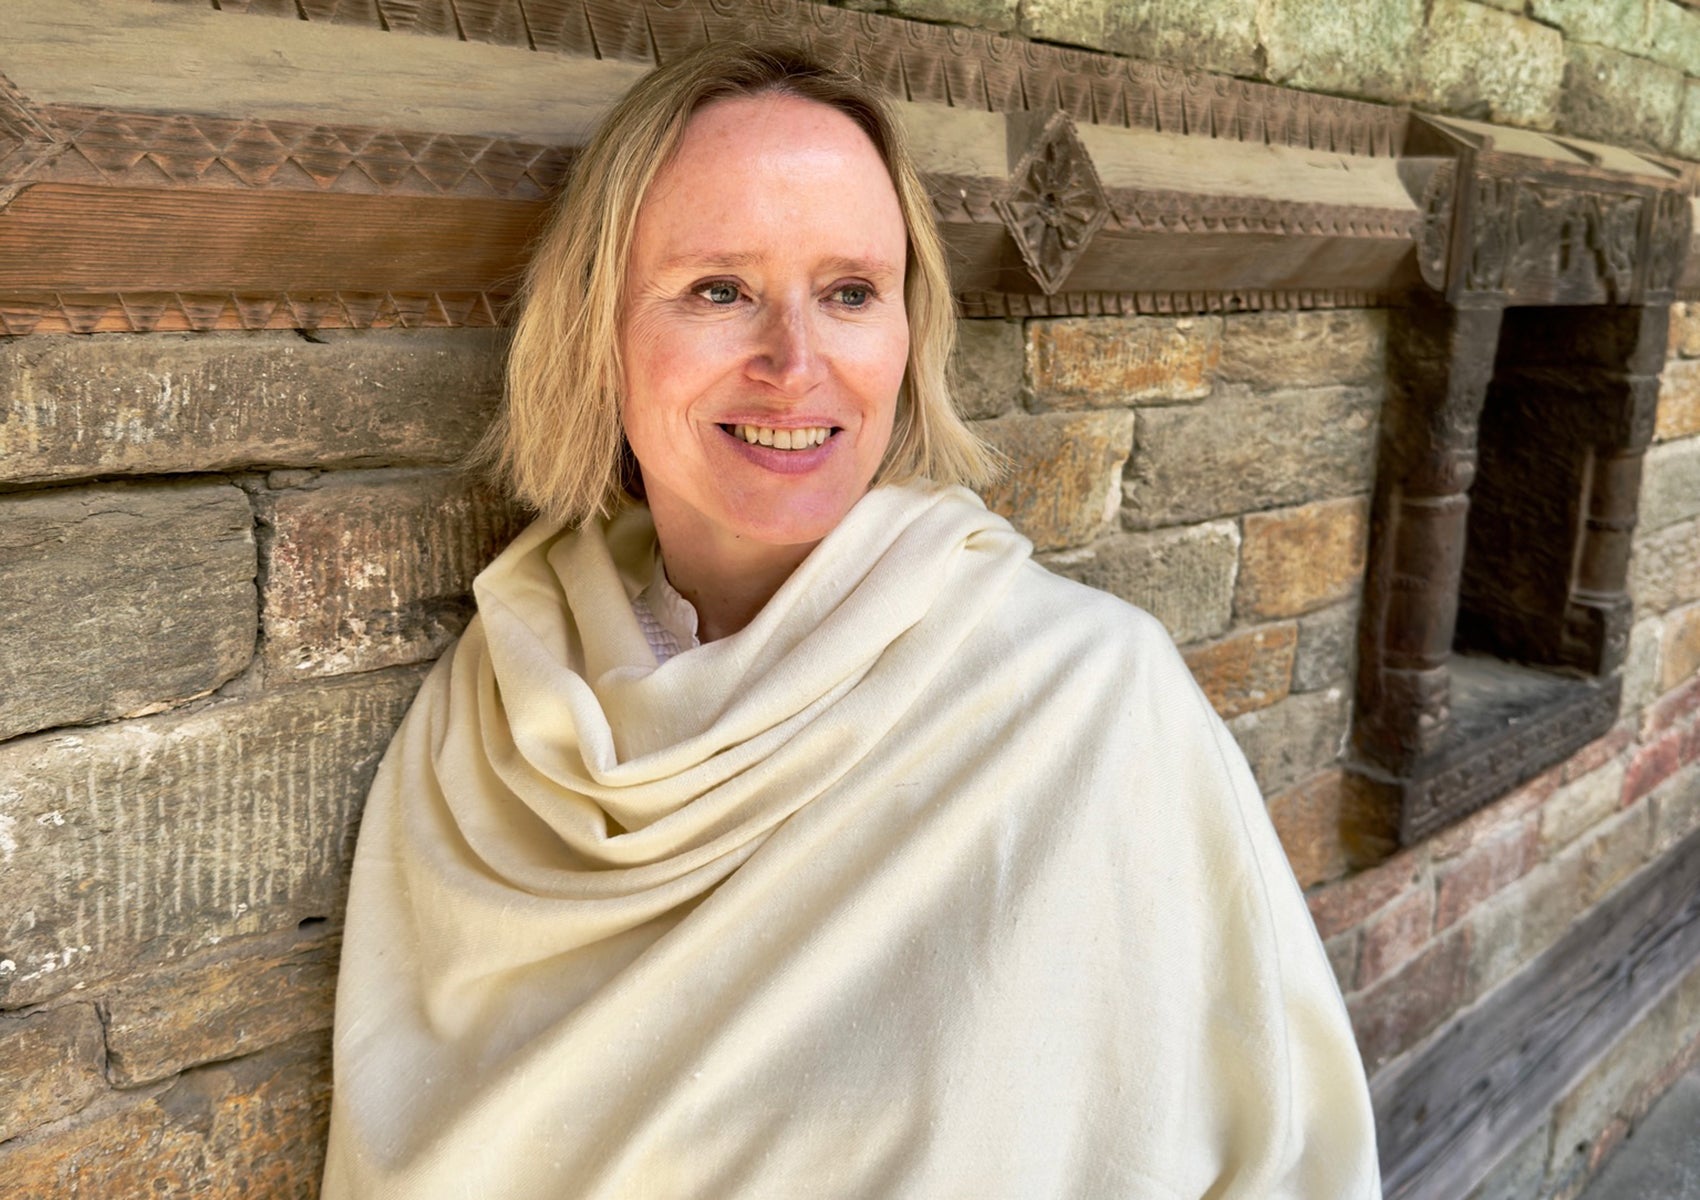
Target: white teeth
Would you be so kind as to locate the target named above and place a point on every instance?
(782, 439)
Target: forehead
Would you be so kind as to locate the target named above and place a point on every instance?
(772, 163)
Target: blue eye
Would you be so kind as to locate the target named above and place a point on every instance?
(719, 292)
(854, 295)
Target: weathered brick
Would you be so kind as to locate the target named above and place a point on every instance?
(1679, 652)
(121, 597)
(1396, 936)
(1504, 814)
(1216, 35)
(1664, 570)
(1342, 952)
(1654, 763)
(1497, 65)
(1294, 739)
(253, 1127)
(1679, 387)
(986, 370)
(1358, 47)
(1184, 577)
(221, 1003)
(1617, 98)
(1237, 452)
(1517, 922)
(137, 842)
(1676, 810)
(162, 403)
(1308, 818)
(1110, 362)
(1248, 669)
(374, 569)
(1670, 484)
(1599, 752)
(1397, 1012)
(52, 1066)
(1674, 37)
(1678, 707)
(1614, 849)
(1348, 903)
(1688, 123)
(1467, 880)
(1297, 560)
(1328, 347)
(1062, 488)
(1580, 805)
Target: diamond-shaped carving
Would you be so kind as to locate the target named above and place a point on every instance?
(1053, 203)
(254, 154)
(440, 159)
(322, 154)
(385, 160)
(181, 150)
(27, 142)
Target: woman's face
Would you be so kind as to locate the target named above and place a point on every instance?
(764, 336)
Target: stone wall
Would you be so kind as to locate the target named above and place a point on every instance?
(1620, 71)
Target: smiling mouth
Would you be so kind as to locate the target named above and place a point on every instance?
(782, 439)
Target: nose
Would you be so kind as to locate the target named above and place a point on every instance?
(788, 354)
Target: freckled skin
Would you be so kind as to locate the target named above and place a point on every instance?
(765, 287)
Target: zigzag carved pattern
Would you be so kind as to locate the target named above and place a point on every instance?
(1116, 304)
(964, 199)
(152, 150)
(200, 312)
(933, 63)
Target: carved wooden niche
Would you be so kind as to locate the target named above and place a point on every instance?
(1522, 380)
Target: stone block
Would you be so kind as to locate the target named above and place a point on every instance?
(1674, 37)
(1308, 818)
(1342, 955)
(1641, 664)
(1396, 1013)
(53, 1066)
(222, 1003)
(1294, 739)
(1184, 577)
(1353, 47)
(981, 14)
(157, 403)
(121, 598)
(1329, 347)
(252, 1127)
(1656, 762)
(987, 369)
(1396, 936)
(1522, 919)
(1684, 339)
(374, 569)
(1614, 849)
(1297, 560)
(1327, 648)
(1679, 708)
(1497, 66)
(1215, 35)
(1249, 669)
(1580, 805)
(1613, 97)
(136, 843)
(1113, 362)
(1670, 484)
(1676, 810)
(1688, 124)
(1062, 487)
(1679, 652)
(1624, 25)
(1238, 452)
(1664, 570)
(1679, 390)
(1469, 879)
(1501, 816)
(1348, 903)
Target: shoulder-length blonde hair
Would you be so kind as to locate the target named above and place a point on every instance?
(558, 443)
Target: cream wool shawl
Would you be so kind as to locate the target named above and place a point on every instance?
(940, 879)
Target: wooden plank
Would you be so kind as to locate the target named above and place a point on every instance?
(62, 237)
(1447, 1114)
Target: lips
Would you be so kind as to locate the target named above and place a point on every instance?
(804, 438)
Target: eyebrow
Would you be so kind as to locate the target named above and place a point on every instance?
(735, 260)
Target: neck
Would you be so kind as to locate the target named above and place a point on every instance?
(728, 580)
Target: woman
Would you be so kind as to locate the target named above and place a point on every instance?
(790, 833)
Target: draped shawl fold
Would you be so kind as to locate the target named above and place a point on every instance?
(938, 880)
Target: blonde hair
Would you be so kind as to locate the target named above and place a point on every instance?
(558, 443)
